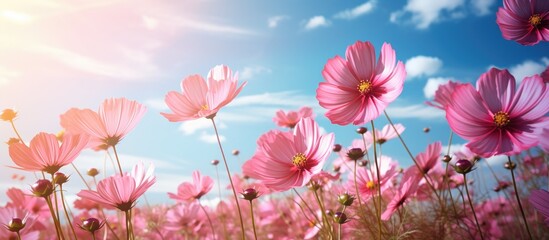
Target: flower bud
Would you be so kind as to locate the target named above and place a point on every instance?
(236, 152)
(92, 172)
(345, 199)
(42, 188)
(510, 165)
(15, 225)
(447, 158)
(12, 141)
(337, 147)
(463, 166)
(361, 130)
(426, 130)
(250, 194)
(363, 163)
(59, 178)
(355, 154)
(8, 114)
(91, 225)
(340, 217)
(215, 162)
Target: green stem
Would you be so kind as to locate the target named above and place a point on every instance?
(117, 160)
(55, 221)
(230, 179)
(356, 186)
(306, 205)
(518, 198)
(81, 176)
(253, 220)
(16, 132)
(207, 216)
(472, 207)
(378, 176)
(66, 212)
(325, 220)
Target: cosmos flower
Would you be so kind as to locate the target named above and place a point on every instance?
(540, 200)
(290, 119)
(284, 160)
(115, 118)
(367, 181)
(188, 192)
(357, 89)
(199, 98)
(122, 191)
(443, 95)
(387, 133)
(44, 152)
(408, 187)
(428, 160)
(524, 21)
(497, 119)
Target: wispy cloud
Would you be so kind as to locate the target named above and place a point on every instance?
(416, 111)
(432, 85)
(211, 27)
(251, 71)
(191, 126)
(357, 11)
(528, 68)
(423, 13)
(285, 98)
(275, 20)
(316, 22)
(210, 138)
(419, 66)
(482, 7)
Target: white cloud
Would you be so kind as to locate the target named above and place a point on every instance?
(417, 111)
(357, 11)
(158, 104)
(250, 72)
(423, 13)
(191, 126)
(528, 68)
(285, 98)
(274, 21)
(419, 66)
(150, 22)
(453, 148)
(210, 138)
(432, 85)
(212, 27)
(316, 22)
(482, 7)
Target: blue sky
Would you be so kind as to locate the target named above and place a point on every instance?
(55, 55)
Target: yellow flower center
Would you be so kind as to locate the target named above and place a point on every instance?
(370, 184)
(364, 86)
(501, 119)
(204, 107)
(535, 20)
(299, 160)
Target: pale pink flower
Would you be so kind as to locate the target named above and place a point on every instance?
(524, 21)
(185, 217)
(188, 192)
(497, 119)
(199, 99)
(32, 227)
(29, 202)
(357, 89)
(539, 198)
(45, 153)
(367, 180)
(427, 160)
(115, 118)
(343, 162)
(443, 95)
(387, 133)
(544, 139)
(408, 187)
(284, 160)
(290, 119)
(122, 191)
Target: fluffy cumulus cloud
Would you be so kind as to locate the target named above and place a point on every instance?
(357, 11)
(252, 71)
(419, 66)
(482, 7)
(275, 20)
(528, 68)
(432, 85)
(316, 22)
(423, 13)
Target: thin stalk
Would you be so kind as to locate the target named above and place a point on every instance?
(18, 236)
(518, 199)
(207, 216)
(117, 160)
(127, 225)
(472, 207)
(55, 221)
(66, 212)
(325, 220)
(230, 179)
(16, 132)
(378, 175)
(81, 176)
(339, 227)
(219, 193)
(306, 205)
(253, 220)
(356, 186)
(93, 235)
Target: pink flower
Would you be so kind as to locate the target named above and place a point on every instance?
(386, 134)
(199, 99)
(496, 119)
(408, 187)
(188, 192)
(184, 217)
(357, 89)
(122, 191)
(540, 200)
(545, 75)
(44, 152)
(524, 21)
(367, 180)
(291, 118)
(31, 229)
(27, 201)
(443, 95)
(115, 118)
(284, 160)
(428, 160)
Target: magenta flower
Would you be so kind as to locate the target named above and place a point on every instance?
(443, 95)
(367, 181)
(357, 89)
(45, 153)
(387, 133)
(122, 191)
(115, 118)
(524, 21)
(291, 118)
(540, 200)
(545, 75)
(284, 160)
(497, 119)
(428, 160)
(199, 99)
(188, 192)
(408, 187)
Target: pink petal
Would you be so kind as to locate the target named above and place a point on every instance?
(497, 88)
(467, 115)
(361, 59)
(84, 121)
(531, 100)
(337, 72)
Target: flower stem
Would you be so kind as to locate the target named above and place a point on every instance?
(356, 186)
(230, 179)
(253, 220)
(66, 212)
(339, 227)
(325, 220)
(207, 216)
(471, 205)
(117, 160)
(18, 236)
(219, 193)
(378, 176)
(55, 221)
(81, 177)
(518, 198)
(306, 205)
(16, 132)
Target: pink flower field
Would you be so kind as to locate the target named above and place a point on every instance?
(96, 148)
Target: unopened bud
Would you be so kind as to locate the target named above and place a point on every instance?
(345, 199)
(510, 165)
(447, 158)
(8, 114)
(91, 225)
(15, 225)
(215, 162)
(340, 217)
(336, 148)
(92, 172)
(42, 188)
(361, 130)
(236, 152)
(250, 194)
(426, 130)
(59, 178)
(463, 166)
(355, 154)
